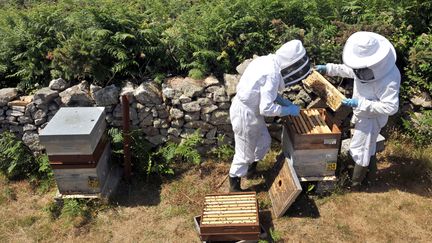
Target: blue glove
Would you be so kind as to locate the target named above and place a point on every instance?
(292, 110)
(321, 69)
(282, 101)
(350, 102)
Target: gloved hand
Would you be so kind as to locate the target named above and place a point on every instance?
(292, 110)
(321, 69)
(282, 101)
(350, 102)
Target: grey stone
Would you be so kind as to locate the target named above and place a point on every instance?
(53, 106)
(211, 134)
(163, 114)
(11, 119)
(185, 99)
(30, 109)
(84, 86)
(219, 95)
(220, 117)
(423, 99)
(211, 80)
(174, 131)
(31, 139)
(14, 113)
(186, 132)
(163, 132)
(168, 92)
(29, 127)
(242, 66)
(193, 116)
(173, 138)
(199, 125)
(187, 86)
(44, 96)
(209, 142)
(191, 106)
(206, 117)
(177, 123)
(58, 84)
(106, 96)
(154, 112)
(117, 112)
(226, 129)
(224, 105)
(146, 120)
(128, 90)
(156, 140)
(109, 118)
(39, 122)
(93, 89)
(76, 96)
(176, 113)
(208, 109)
(18, 108)
(1, 112)
(175, 102)
(148, 93)
(205, 101)
(231, 82)
(16, 129)
(7, 94)
(160, 123)
(24, 119)
(150, 131)
(49, 117)
(39, 114)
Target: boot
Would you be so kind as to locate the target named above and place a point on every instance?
(372, 169)
(358, 176)
(235, 184)
(251, 173)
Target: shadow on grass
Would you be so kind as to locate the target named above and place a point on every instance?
(138, 192)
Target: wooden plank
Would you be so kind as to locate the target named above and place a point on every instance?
(224, 214)
(316, 121)
(285, 187)
(230, 222)
(230, 196)
(324, 89)
(294, 124)
(227, 199)
(322, 123)
(303, 123)
(230, 211)
(311, 122)
(307, 122)
(298, 123)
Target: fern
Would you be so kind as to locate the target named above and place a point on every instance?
(15, 158)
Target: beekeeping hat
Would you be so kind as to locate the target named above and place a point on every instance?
(293, 62)
(365, 51)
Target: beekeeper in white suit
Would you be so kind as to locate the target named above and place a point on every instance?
(370, 59)
(257, 96)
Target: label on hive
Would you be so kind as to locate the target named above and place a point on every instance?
(330, 141)
(331, 166)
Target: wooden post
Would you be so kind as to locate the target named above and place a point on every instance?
(126, 139)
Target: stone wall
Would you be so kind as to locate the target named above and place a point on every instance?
(164, 112)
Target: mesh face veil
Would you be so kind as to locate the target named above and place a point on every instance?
(297, 71)
(365, 74)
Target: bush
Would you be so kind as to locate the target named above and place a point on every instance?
(419, 128)
(15, 158)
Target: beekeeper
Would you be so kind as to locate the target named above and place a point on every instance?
(370, 59)
(257, 96)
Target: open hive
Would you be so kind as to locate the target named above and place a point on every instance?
(231, 216)
(309, 121)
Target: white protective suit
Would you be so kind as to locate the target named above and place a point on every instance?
(256, 93)
(378, 98)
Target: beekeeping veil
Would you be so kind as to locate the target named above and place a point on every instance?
(370, 55)
(293, 61)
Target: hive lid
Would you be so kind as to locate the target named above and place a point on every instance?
(74, 121)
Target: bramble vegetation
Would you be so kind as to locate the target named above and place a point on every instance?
(106, 41)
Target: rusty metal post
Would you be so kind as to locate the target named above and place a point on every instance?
(126, 139)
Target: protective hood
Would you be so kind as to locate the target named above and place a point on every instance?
(368, 50)
(293, 62)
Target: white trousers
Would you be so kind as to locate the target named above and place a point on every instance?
(252, 139)
(363, 142)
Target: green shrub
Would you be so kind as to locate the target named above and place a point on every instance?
(419, 128)
(419, 68)
(15, 158)
(223, 151)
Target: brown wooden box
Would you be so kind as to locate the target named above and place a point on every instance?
(315, 140)
(80, 161)
(228, 217)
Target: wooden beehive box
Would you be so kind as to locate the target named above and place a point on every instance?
(87, 178)
(74, 131)
(230, 217)
(324, 89)
(312, 143)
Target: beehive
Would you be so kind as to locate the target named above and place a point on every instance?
(232, 216)
(311, 141)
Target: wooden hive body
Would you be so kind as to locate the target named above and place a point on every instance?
(312, 143)
(232, 216)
